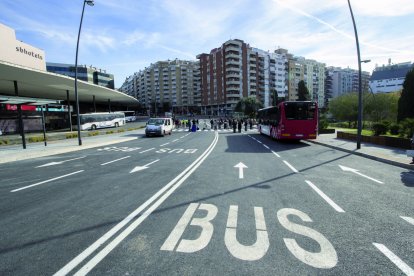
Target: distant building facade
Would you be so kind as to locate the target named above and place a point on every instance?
(89, 74)
(340, 81)
(172, 85)
(389, 78)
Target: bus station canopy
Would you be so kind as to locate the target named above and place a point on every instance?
(41, 84)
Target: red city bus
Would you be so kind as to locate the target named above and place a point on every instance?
(289, 120)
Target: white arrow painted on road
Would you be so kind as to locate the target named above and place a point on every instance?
(60, 162)
(241, 166)
(346, 169)
(140, 168)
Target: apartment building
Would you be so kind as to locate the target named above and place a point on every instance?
(228, 73)
(345, 80)
(166, 85)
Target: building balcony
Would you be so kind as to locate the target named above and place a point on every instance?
(230, 82)
(232, 48)
(232, 55)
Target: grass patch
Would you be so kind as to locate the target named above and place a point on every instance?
(121, 130)
(366, 132)
(109, 132)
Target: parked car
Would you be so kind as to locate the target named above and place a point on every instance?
(159, 127)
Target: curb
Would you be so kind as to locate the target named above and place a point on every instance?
(383, 160)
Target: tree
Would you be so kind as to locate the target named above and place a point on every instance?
(345, 108)
(406, 101)
(303, 92)
(248, 106)
(381, 106)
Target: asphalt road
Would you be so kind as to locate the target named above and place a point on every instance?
(206, 203)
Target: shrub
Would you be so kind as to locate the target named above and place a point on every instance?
(379, 128)
(71, 135)
(109, 132)
(35, 139)
(407, 128)
(121, 130)
(93, 133)
(394, 129)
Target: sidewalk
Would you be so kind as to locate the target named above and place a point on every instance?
(389, 155)
(33, 150)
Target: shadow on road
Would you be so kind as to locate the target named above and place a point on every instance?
(408, 179)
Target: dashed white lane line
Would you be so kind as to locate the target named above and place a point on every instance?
(395, 259)
(277, 155)
(324, 196)
(408, 219)
(147, 150)
(164, 144)
(290, 166)
(175, 140)
(46, 181)
(115, 160)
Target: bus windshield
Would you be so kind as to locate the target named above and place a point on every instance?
(300, 110)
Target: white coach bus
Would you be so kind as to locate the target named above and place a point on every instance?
(92, 121)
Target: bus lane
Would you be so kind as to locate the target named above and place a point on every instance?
(263, 223)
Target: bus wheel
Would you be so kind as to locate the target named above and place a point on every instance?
(116, 125)
(93, 127)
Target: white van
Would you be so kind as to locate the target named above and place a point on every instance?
(159, 126)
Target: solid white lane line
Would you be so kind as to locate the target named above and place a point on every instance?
(275, 154)
(93, 247)
(164, 144)
(147, 150)
(408, 219)
(324, 196)
(266, 146)
(46, 181)
(290, 166)
(395, 259)
(115, 160)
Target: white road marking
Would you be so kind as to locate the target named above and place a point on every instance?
(175, 140)
(395, 259)
(241, 167)
(408, 219)
(324, 196)
(147, 150)
(182, 136)
(46, 181)
(346, 169)
(290, 166)
(161, 195)
(140, 168)
(59, 162)
(275, 154)
(266, 146)
(115, 160)
(164, 144)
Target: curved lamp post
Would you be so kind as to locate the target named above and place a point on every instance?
(90, 3)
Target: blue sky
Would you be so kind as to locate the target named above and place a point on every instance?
(124, 36)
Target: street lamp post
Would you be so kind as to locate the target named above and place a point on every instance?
(359, 82)
(90, 3)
